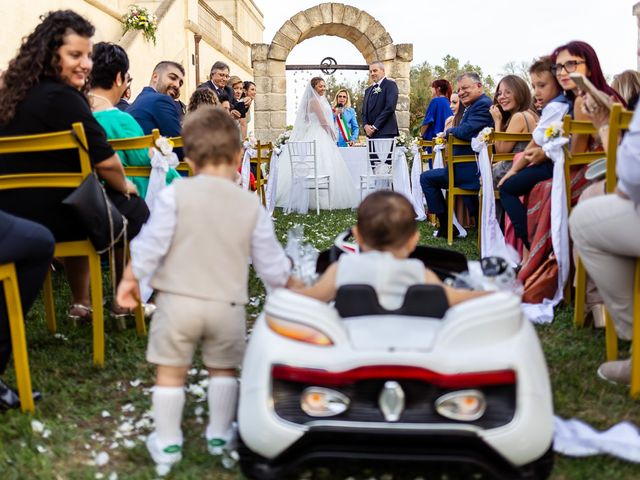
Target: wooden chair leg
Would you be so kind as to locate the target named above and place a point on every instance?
(49, 307)
(450, 198)
(635, 338)
(141, 326)
(611, 337)
(98, 311)
(18, 340)
(581, 287)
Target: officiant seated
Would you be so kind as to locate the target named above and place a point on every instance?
(345, 118)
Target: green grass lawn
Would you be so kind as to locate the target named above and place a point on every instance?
(88, 412)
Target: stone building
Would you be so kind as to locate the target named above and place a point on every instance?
(194, 33)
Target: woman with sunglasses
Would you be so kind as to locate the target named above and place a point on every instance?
(345, 117)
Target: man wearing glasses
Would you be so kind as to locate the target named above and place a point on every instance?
(217, 82)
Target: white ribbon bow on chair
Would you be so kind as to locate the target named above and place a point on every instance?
(245, 169)
(272, 180)
(161, 162)
(417, 197)
(492, 241)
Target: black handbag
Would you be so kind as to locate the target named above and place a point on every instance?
(104, 223)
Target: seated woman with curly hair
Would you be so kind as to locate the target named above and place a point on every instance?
(42, 91)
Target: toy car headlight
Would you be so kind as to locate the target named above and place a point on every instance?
(323, 402)
(298, 331)
(463, 405)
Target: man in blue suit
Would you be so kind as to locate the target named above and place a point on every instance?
(379, 107)
(476, 117)
(155, 107)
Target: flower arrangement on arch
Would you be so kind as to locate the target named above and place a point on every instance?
(139, 18)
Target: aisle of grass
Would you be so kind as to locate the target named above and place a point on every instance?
(90, 410)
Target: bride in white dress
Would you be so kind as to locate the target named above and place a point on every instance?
(315, 122)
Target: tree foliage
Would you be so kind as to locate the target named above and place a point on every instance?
(421, 77)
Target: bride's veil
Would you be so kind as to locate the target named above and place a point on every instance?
(313, 110)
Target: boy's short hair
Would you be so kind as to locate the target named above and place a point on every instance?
(202, 96)
(211, 136)
(386, 220)
(542, 64)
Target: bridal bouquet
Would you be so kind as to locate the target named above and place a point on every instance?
(139, 18)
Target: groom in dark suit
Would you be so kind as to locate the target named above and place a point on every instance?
(476, 117)
(379, 107)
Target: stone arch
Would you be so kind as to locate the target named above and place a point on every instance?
(352, 24)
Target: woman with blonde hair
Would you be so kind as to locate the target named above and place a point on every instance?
(345, 118)
(627, 84)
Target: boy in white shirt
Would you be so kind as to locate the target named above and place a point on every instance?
(196, 247)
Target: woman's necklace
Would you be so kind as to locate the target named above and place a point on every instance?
(100, 97)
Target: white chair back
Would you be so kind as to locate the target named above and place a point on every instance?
(304, 176)
(380, 152)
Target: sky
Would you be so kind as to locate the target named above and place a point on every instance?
(486, 33)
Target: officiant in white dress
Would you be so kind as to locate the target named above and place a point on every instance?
(314, 121)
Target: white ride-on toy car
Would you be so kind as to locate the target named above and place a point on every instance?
(426, 389)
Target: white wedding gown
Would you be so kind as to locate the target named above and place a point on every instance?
(309, 126)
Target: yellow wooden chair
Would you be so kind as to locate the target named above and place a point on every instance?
(69, 140)
(499, 157)
(18, 338)
(619, 120)
(426, 158)
(263, 157)
(454, 191)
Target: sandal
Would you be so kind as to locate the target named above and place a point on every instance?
(118, 312)
(77, 311)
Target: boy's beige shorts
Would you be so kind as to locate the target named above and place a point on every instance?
(181, 323)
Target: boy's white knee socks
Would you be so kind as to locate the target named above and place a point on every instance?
(168, 403)
(223, 397)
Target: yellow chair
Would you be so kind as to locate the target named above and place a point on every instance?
(635, 339)
(18, 338)
(454, 191)
(426, 158)
(499, 157)
(69, 140)
(619, 120)
(263, 156)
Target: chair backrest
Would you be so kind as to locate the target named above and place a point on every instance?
(302, 158)
(74, 139)
(425, 147)
(571, 128)
(506, 137)
(263, 156)
(136, 143)
(380, 150)
(619, 121)
(419, 301)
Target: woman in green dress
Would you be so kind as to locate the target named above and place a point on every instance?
(109, 79)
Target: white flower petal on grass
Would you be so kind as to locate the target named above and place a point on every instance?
(126, 428)
(129, 444)
(41, 449)
(102, 459)
(105, 414)
(36, 426)
(114, 445)
(113, 476)
(46, 433)
(204, 372)
(99, 475)
(143, 423)
(135, 383)
(199, 420)
(117, 435)
(128, 408)
(193, 371)
(198, 411)
(60, 337)
(87, 446)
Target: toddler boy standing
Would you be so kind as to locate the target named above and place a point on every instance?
(196, 247)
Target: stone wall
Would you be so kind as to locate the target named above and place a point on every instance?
(357, 26)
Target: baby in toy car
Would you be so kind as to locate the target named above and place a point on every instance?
(386, 233)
